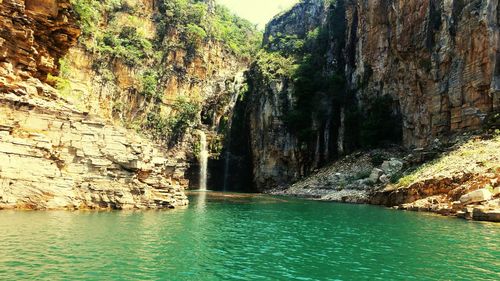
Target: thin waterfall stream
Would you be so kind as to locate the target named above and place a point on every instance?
(226, 169)
(203, 161)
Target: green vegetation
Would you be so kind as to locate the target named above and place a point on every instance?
(196, 23)
(110, 29)
(273, 65)
(191, 22)
(62, 82)
(320, 87)
(303, 61)
(172, 129)
(115, 31)
(91, 14)
(127, 44)
(149, 85)
(63, 85)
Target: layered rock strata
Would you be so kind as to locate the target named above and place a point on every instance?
(52, 155)
(438, 61)
(432, 65)
(33, 36)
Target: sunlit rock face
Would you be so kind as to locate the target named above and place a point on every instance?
(42, 7)
(436, 61)
(53, 155)
(34, 35)
(298, 21)
(208, 76)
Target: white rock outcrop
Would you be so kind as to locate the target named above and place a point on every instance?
(54, 157)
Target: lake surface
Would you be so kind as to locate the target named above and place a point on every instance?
(238, 237)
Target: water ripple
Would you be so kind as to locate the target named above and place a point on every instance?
(246, 238)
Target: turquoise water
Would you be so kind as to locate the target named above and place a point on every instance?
(229, 237)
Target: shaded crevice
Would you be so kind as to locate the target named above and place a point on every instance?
(456, 15)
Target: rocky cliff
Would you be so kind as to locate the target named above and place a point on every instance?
(54, 155)
(285, 144)
(364, 74)
(34, 36)
(166, 69)
(437, 60)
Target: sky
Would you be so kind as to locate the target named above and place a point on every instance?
(259, 12)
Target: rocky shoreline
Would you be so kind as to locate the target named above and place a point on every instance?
(54, 157)
(469, 189)
(479, 209)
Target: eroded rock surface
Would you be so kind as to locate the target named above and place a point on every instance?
(53, 156)
(438, 60)
(433, 65)
(34, 35)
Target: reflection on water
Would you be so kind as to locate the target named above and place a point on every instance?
(201, 197)
(224, 236)
(199, 202)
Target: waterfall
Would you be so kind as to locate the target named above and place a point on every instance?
(203, 160)
(326, 136)
(226, 167)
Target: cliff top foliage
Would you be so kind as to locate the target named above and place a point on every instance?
(198, 20)
(194, 21)
(143, 38)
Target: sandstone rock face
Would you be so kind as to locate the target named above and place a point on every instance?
(277, 155)
(438, 60)
(486, 215)
(54, 156)
(275, 152)
(34, 35)
(476, 196)
(435, 61)
(496, 191)
(208, 76)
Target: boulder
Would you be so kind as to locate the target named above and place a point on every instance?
(375, 175)
(392, 167)
(384, 179)
(481, 214)
(496, 191)
(476, 196)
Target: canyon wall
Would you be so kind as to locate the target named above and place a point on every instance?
(398, 72)
(54, 155)
(177, 85)
(438, 60)
(34, 36)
